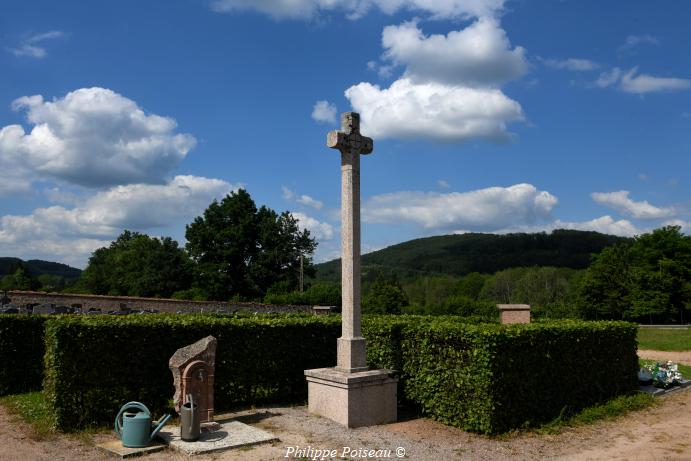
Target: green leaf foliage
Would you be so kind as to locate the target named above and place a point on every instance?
(319, 294)
(493, 378)
(138, 265)
(481, 377)
(458, 255)
(21, 353)
(384, 297)
(241, 251)
(96, 364)
(647, 280)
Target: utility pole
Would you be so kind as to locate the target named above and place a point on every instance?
(301, 272)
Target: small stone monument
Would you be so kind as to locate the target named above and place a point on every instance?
(193, 373)
(514, 313)
(351, 394)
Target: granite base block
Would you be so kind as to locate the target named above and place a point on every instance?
(364, 398)
(231, 434)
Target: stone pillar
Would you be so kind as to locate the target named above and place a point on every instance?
(351, 344)
(514, 313)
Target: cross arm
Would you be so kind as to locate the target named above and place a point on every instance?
(353, 141)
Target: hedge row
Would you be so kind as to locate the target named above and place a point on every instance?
(21, 353)
(481, 377)
(492, 378)
(95, 364)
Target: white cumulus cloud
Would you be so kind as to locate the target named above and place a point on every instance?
(621, 202)
(354, 9)
(449, 89)
(301, 199)
(603, 224)
(318, 229)
(73, 233)
(93, 137)
(324, 112)
(489, 209)
(433, 111)
(479, 55)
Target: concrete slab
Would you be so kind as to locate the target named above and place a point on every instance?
(114, 447)
(232, 434)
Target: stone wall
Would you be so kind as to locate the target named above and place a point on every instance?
(110, 303)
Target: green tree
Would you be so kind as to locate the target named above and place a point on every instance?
(242, 251)
(662, 272)
(19, 280)
(647, 280)
(503, 286)
(138, 265)
(51, 282)
(605, 290)
(471, 285)
(384, 297)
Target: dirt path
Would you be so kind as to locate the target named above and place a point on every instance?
(661, 433)
(682, 357)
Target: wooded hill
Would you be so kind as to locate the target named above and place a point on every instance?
(38, 267)
(459, 255)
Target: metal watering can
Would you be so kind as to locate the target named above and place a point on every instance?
(190, 427)
(135, 428)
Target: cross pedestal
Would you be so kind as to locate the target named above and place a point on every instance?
(351, 394)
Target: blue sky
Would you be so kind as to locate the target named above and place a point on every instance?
(487, 115)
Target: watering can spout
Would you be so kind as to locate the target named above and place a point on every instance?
(159, 425)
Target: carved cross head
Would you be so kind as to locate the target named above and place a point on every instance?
(348, 138)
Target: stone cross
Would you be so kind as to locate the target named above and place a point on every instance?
(348, 140)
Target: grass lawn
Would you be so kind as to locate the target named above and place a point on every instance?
(32, 408)
(616, 407)
(660, 339)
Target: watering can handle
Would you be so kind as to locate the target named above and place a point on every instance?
(161, 422)
(127, 406)
(191, 400)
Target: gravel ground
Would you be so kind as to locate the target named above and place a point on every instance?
(682, 357)
(660, 433)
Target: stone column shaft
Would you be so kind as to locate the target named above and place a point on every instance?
(351, 344)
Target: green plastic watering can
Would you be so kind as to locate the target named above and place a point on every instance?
(134, 428)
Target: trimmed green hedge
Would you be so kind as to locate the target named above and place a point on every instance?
(493, 378)
(95, 364)
(481, 377)
(21, 353)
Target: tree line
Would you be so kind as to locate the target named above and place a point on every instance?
(645, 279)
(236, 250)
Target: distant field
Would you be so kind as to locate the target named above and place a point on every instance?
(660, 339)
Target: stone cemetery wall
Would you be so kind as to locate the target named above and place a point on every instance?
(109, 303)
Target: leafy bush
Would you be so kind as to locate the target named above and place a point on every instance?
(481, 377)
(193, 294)
(21, 353)
(384, 297)
(492, 378)
(95, 364)
(319, 294)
